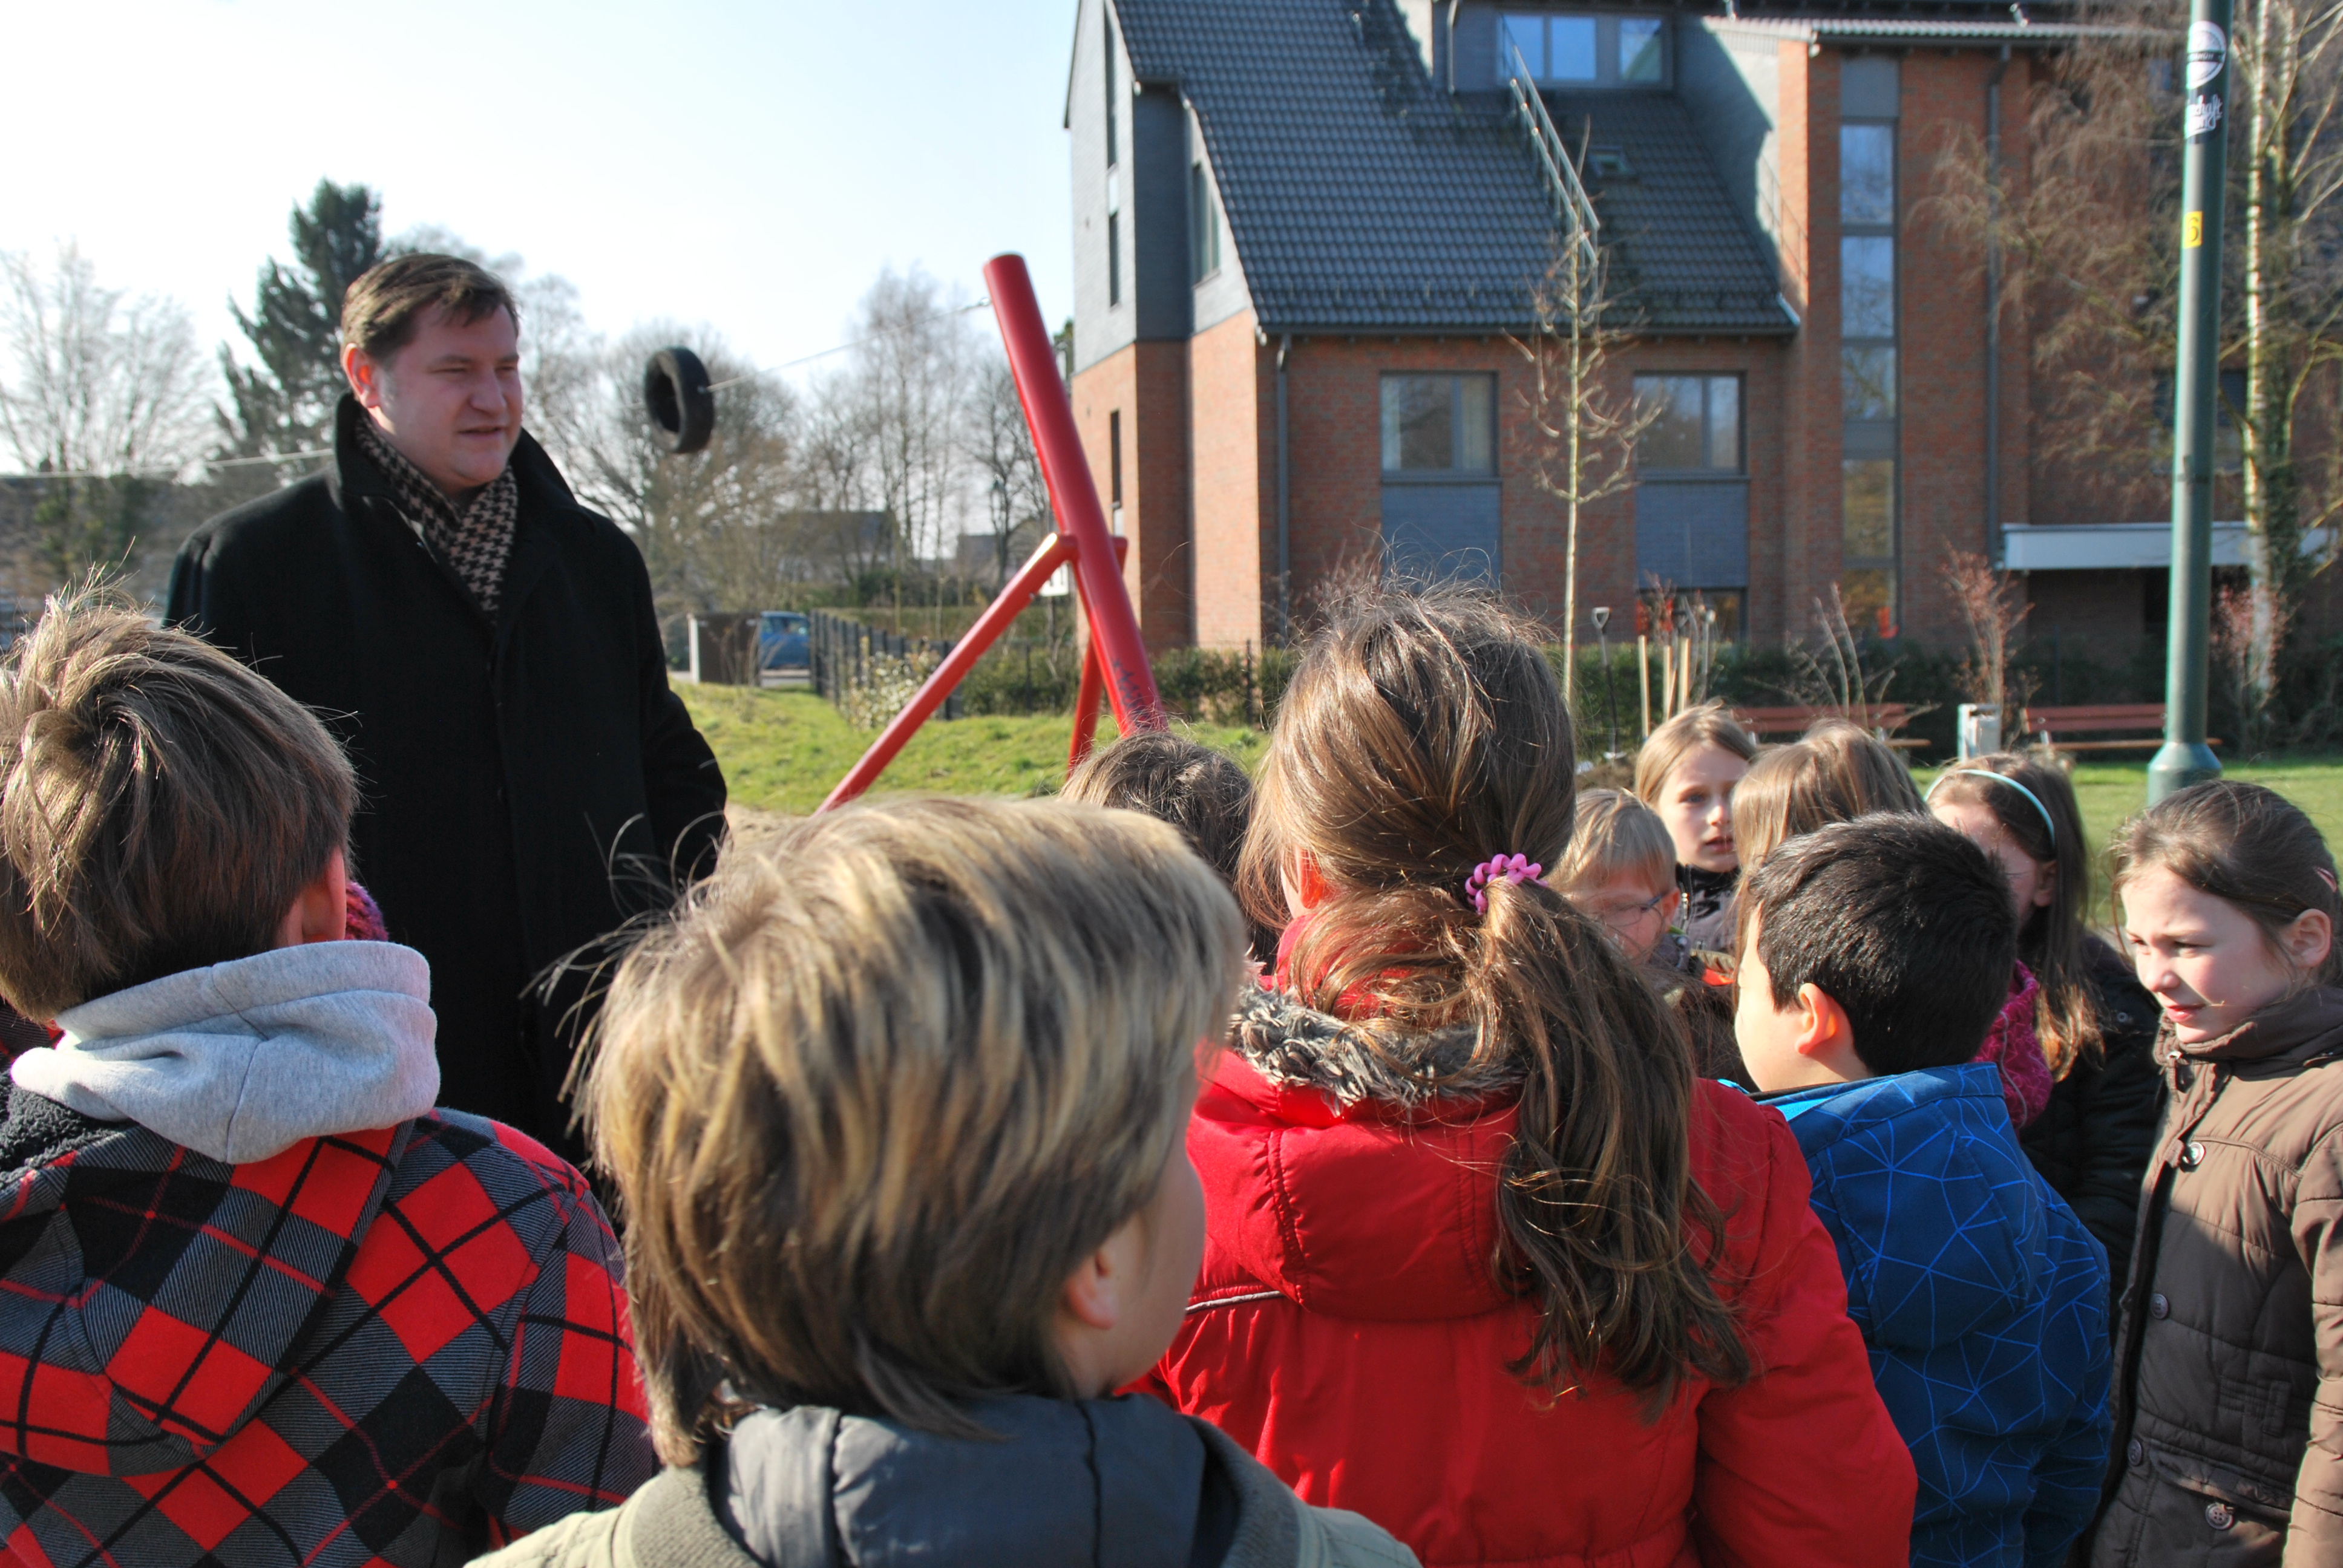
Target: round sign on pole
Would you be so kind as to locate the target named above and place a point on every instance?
(2207, 47)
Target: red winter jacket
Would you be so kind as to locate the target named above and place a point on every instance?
(1346, 1327)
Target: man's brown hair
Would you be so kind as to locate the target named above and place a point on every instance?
(161, 806)
(883, 1083)
(382, 311)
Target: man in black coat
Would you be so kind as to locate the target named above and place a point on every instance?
(487, 648)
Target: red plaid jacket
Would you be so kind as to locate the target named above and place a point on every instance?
(401, 1346)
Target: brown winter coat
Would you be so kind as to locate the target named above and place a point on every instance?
(2228, 1439)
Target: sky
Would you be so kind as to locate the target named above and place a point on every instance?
(750, 168)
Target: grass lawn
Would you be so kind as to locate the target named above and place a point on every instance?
(782, 751)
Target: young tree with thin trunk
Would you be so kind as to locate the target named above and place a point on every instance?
(1586, 433)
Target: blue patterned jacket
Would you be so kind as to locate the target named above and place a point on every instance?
(1982, 1299)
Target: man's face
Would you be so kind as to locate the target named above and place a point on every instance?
(449, 401)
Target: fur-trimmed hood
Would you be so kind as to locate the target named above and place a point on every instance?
(1297, 1047)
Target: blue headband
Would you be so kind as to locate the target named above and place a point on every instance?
(2003, 779)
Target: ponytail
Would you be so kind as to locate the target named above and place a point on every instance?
(1422, 737)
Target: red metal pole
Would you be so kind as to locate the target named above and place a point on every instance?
(1014, 596)
(1086, 706)
(1113, 627)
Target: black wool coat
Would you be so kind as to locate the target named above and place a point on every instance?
(529, 782)
(2093, 1140)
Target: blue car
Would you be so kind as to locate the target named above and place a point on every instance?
(781, 641)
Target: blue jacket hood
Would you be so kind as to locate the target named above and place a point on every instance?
(1940, 1220)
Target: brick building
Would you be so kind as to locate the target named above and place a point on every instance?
(1306, 238)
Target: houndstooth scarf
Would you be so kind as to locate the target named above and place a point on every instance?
(476, 541)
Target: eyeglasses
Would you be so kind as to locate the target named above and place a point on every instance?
(1631, 914)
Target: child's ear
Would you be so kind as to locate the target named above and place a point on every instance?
(1670, 905)
(2310, 939)
(1093, 1293)
(1822, 1023)
(320, 911)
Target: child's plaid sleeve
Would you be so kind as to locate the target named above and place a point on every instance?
(569, 1433)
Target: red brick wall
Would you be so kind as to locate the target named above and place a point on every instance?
(1809, 537)
(1234, 421)
(1147, 384)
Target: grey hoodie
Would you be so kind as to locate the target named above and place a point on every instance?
(241, 1061)
(1094, 1483)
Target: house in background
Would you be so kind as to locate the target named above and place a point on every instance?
(1307, 235)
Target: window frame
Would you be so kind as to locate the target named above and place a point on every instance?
(1203, 224)
(1739, 470)
(1610, 67)
(1456, 431)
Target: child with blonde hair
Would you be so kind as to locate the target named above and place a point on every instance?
(896, 1108)
(1620, 870)
(1687, 771)
(2228, 1430)
(1487, 1260)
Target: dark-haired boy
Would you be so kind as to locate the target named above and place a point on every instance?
(1874, 955)
(259, 1302)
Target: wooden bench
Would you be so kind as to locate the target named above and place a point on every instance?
(1888, 717)
(2051, 726)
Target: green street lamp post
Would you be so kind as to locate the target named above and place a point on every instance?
(2185, 758)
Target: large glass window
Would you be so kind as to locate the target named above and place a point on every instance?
(1870, 550)
(1439, 424)
(1866, 173)
(1203, 225)
(1868, 491)
(1586, 50)
(1868, 372)
(1639, 50)
(1866, 286)
(1696, 422)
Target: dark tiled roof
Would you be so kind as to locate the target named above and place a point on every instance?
(1360, 196)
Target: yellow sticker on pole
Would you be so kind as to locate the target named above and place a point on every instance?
(2192, 230)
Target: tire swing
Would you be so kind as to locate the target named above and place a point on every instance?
(681, 404)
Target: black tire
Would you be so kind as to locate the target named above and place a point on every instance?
(675, 392)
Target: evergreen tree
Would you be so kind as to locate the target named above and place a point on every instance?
(284, 403)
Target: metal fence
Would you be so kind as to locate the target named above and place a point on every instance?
(842, 653)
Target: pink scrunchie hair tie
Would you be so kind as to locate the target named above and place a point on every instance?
(1513, 868)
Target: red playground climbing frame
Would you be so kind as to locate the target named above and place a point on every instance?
(1114, 660)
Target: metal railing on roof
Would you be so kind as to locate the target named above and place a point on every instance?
(1572, 208)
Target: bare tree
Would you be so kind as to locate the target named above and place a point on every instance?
(1000, 449)
(913, 369)
(1994, 606)
(2091, 227)
(1586, 433)
(104, 393)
